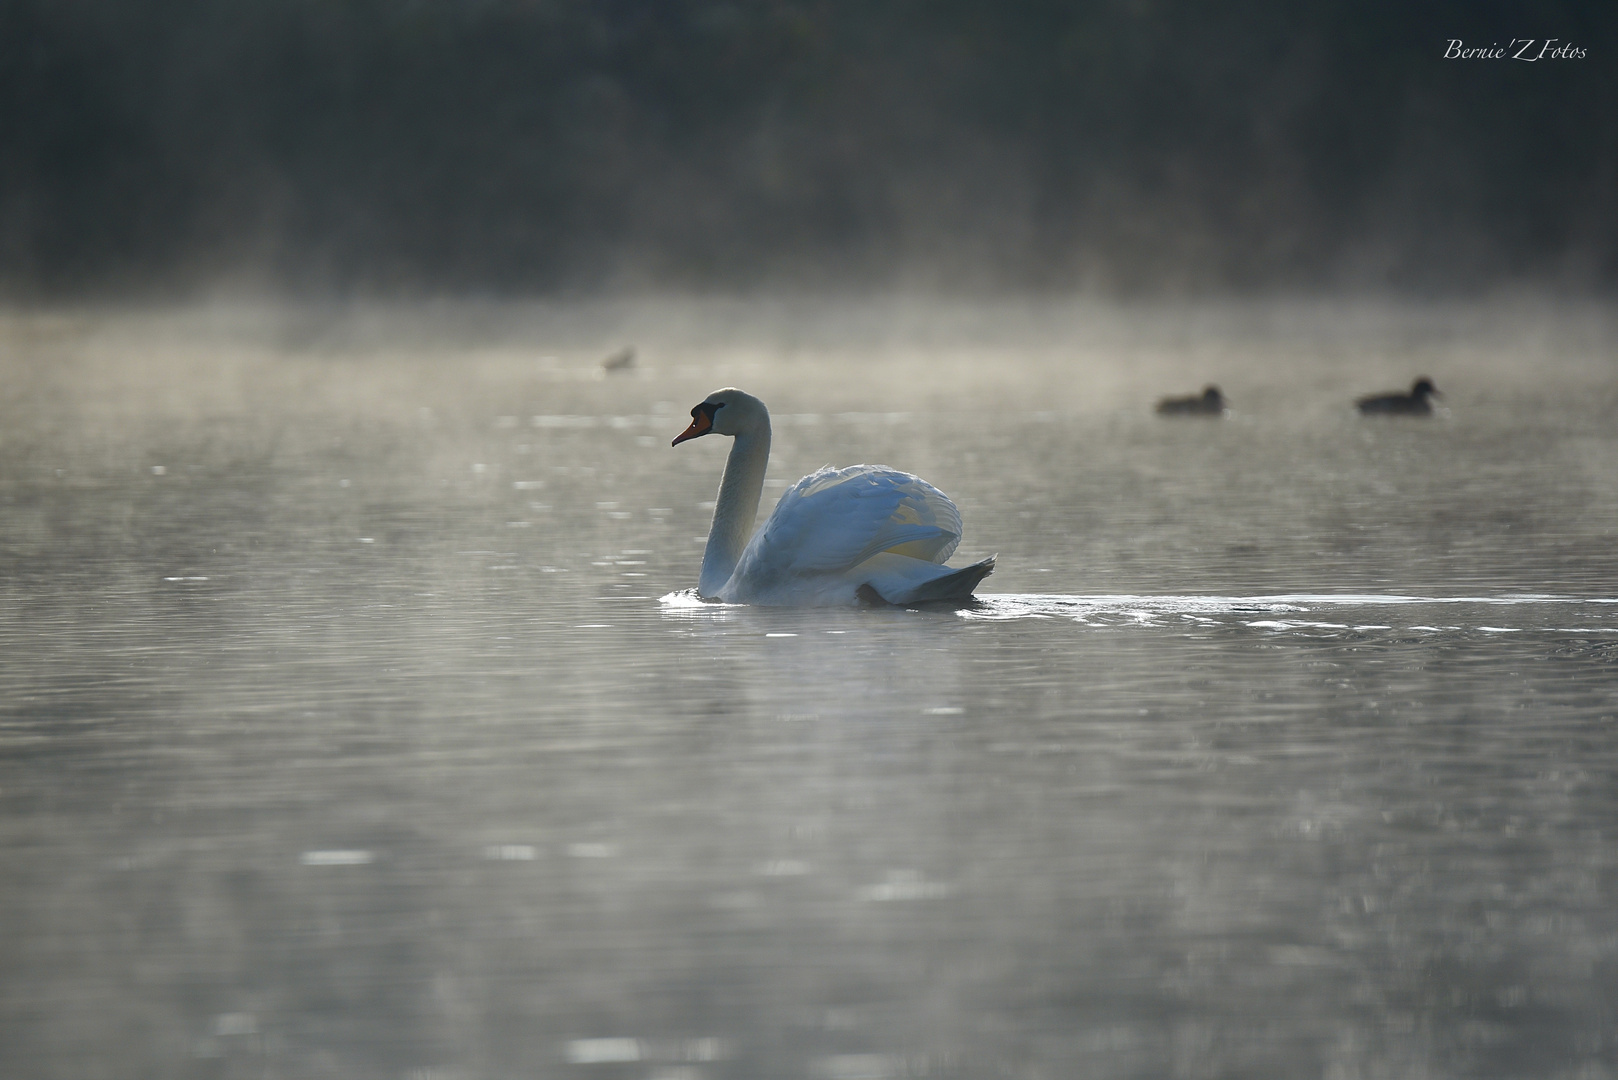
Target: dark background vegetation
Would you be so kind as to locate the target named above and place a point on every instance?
(370, 147)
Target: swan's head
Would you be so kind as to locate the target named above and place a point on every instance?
(725, 412)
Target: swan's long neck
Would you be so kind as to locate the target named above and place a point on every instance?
(739, 492)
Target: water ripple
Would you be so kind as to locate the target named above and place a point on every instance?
(1332, 611)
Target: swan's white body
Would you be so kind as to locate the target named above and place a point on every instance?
(838, 537)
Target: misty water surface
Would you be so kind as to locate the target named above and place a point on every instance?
(348, 727)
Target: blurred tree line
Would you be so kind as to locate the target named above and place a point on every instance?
(383, 146)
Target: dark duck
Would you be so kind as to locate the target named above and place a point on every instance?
(1208, 403)
(1416, 403)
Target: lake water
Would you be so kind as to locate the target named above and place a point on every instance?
(352, 724)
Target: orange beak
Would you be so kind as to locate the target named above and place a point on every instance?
(701, 424)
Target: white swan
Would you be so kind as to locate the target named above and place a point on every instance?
(864, 534)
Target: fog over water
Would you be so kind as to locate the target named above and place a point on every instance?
(353, 724)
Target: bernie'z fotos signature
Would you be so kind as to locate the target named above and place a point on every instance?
(1519, 49)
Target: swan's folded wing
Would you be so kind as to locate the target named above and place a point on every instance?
(837, 518)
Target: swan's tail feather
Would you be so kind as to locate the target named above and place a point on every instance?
(953, 587)
(956, 586)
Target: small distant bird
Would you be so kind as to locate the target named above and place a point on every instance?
(622, 360)
(1415, 403)
(1209, 403)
